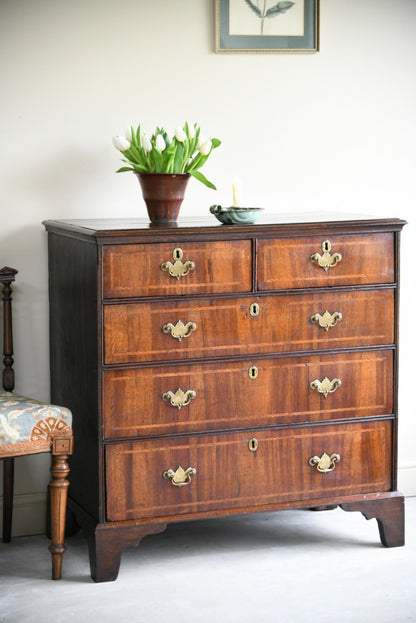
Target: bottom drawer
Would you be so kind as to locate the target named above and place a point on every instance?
(231, 473)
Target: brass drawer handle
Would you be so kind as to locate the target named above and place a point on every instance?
(180, 477)
(325, 463)
(326, 320)
(180, 329)
(325, 386)
(326, 260)
(178, 269)
(179, 398)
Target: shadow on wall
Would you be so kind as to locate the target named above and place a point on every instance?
(28, 254)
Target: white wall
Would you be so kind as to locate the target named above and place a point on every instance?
(332, 131)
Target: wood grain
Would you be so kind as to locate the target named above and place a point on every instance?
(286, 263)
(133, 331)
(227, 397)
(229, 474)
(135, 270)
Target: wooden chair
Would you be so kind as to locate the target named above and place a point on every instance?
(30, 427)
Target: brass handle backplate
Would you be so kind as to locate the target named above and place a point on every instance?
(326, 320)
(180, 329)
(325, 463)
(325, 386)
(180, 476)
(179, 398)
(178, 268)
(326, 260)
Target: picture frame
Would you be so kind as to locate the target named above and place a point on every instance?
(267, 26)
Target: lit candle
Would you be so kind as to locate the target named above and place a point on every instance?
(236, 193)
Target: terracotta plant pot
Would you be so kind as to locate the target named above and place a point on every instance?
(163, 194)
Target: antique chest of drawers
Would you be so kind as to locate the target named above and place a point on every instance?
(219, 369)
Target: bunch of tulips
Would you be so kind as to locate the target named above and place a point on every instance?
(185, 152)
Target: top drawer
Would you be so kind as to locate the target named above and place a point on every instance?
(326, 261)
(136, 270)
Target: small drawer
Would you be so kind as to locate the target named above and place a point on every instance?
(288, 263)
(137, 270)
(161, 400)
(163, 477)
(227, 327)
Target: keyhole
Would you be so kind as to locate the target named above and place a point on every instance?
(177, 254)
(253, 372)
(253, 444)
(254, 309)
(326, 246)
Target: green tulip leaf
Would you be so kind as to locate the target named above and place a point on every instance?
(178, 159)
(201, 178)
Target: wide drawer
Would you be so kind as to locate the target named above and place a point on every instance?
(175, 330)
(286, 263)
(137, 270)
(229, 474)
(162, 400)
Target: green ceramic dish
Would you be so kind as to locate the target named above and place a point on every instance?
(236, 215)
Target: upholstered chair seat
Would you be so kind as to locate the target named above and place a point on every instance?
(28, 426)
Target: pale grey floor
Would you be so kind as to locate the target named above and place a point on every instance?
(297, 566)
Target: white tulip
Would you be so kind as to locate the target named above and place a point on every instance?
(191, 130)
(205, 148)
(180, 134)
(201, 140)
(129, 134)
(121, 143)
(160, 143)
(146, 144)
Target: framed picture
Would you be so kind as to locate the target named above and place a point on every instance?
(267, 26)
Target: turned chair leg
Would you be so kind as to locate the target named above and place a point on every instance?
(59, 494)
(8, 486)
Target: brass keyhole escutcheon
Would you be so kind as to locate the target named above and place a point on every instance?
(254, 310)
(177, 254)
(253, 444)
(253, 372)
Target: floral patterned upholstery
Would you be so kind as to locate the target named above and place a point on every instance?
(28, 426)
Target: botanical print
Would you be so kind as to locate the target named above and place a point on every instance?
(264, 13)
(266, 17)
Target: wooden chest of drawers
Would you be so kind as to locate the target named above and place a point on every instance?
(214, 370)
